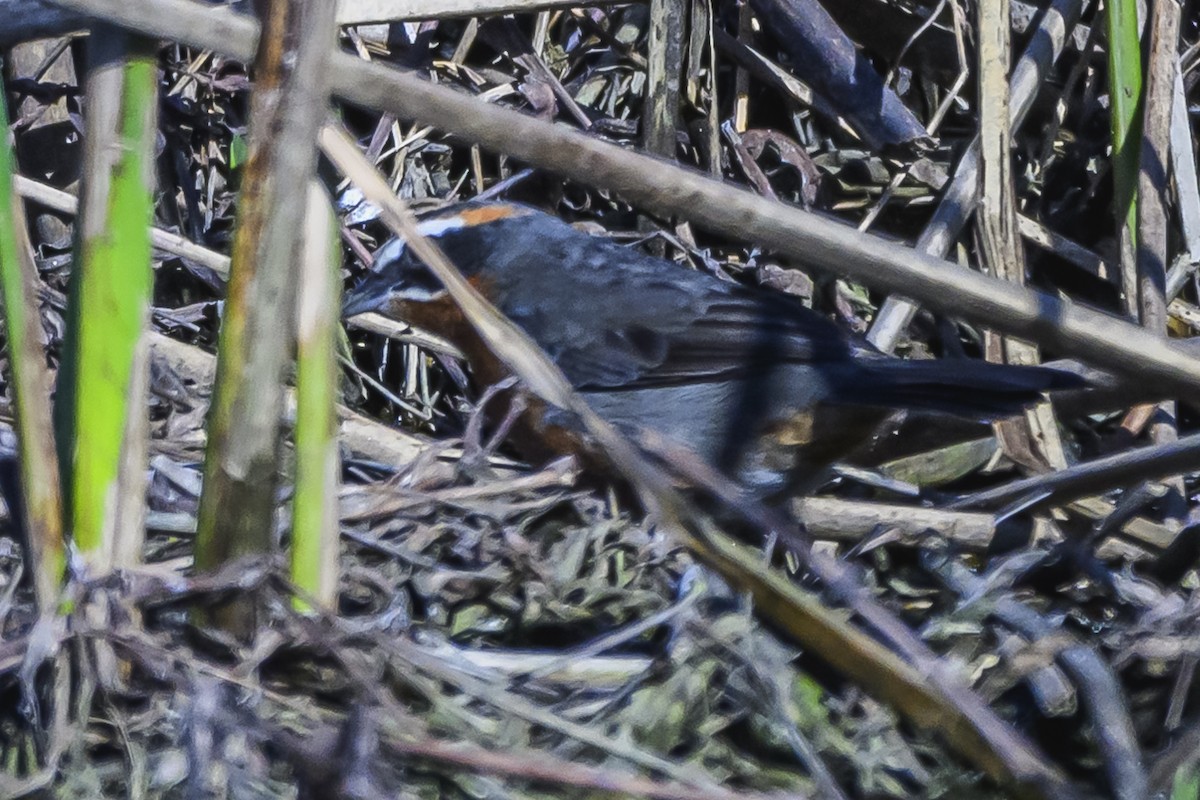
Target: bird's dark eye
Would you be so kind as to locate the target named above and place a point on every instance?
(418, 283)
(407, 278)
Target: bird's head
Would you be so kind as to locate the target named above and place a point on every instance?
(400, 277)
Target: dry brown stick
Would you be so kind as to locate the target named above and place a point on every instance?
(1155, 164)
(851, 520)
(1032, 440)
(1048, 320)
(1152, 229)
(364, 11)
(664, 65)
(700, 86)
(1187, 187)
(1095, 477)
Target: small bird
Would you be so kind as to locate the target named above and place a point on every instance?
(761, 387)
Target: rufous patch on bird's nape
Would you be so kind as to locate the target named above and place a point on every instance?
(436, 226)
(486, 214)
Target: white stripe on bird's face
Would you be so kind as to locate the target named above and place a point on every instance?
(439, 226)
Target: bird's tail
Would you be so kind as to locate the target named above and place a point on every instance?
(964, 387)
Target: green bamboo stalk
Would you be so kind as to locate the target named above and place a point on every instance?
(1125, 93)
(101, 405)
(30, 386)
(289, 103)
(315, 531)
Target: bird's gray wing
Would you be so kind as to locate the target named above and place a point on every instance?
(679, 327)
